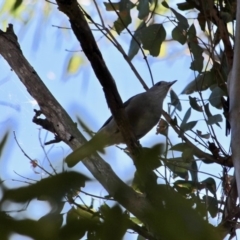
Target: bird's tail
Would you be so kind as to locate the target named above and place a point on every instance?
(90, 147)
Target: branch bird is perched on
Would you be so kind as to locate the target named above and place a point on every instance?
(143, 111)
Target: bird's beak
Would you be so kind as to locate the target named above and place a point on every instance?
(171, 83)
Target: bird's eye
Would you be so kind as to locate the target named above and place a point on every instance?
(158, 84)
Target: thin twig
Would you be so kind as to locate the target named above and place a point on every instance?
(144, 56)
(46, 155)
(32, 161)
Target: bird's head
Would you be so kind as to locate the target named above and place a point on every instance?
(161, 88)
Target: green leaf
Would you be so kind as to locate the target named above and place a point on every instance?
(149, 157)
(55, 187)
(192, 33)
(123, 21)
(178, 35)
(197, 63)
(212, 119)
(212, 205)
(112, 6)
(210, 184)
(202, 21)
(16, 5)
(110, 229)
(206, 136)
(186, 116)
(178, 166)
(185, 187)
(207, 110)
(187, 155)
(175, 100)
(74, 64)
(152, 38)
(182, 21)
(194, 170)
(143, 8)
(194, 104)
(188, 126)
(185, 6)
(134, 46)
(164, 3)
(202, 82)
(215, 119)
(215, 97)
(180, 147)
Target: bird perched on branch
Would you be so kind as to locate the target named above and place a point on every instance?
(143, 111)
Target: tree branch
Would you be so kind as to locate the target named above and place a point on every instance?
(206, 157)
(85, 37)
(234, 108)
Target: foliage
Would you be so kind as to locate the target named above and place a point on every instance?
(184, 201)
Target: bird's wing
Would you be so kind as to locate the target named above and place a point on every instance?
(124, 105)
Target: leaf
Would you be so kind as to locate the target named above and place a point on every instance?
(164, 3)
(187, 155)
(178, 166)
(188, 126)
(182, 21)
(206, 136)
(123, 21)
(194, 170)
(143, 8)
(186, 117)
(215, 97)
(152, 38)
(215, 119)
(207, 110)
(185, 6)
(16, 5)
(109, 228)
(74, 64)
(149, 157)
(55, 187)
(212, 205)
(197, 63)
(175, 100)
(194, 104)
(134, 46)
(178, 35)
(209, 184)
(112, 6)
(192, 34)
(210, 116)
(185, 187)
(201, 20)
(202, 82)
(180, 147)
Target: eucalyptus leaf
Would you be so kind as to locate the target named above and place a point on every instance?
(215, 119)
(215, 97)
(178, 35)
(152, 38)
(194, 104)
(175, 100)
(143, 8)
(186, 117)
(188, 126)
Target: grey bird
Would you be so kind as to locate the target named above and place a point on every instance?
(143, 111)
